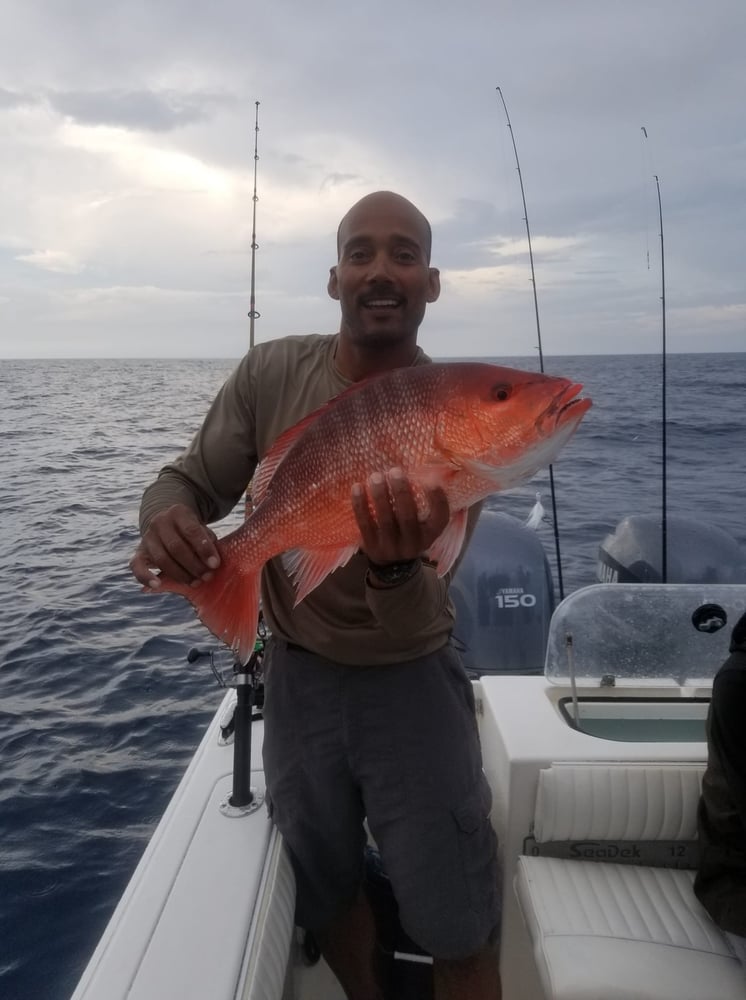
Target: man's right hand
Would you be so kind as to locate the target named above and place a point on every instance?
(177, 545)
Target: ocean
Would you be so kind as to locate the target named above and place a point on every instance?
(100, 711)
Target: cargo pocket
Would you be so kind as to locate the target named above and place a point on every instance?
(478, 852)
(474, 809)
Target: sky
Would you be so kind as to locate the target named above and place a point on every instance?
(128, 129)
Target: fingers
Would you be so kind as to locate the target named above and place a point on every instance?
(404, 505)
(140, 566)
(439, 516)
(178, 546)
(368, 521)
(393, 526)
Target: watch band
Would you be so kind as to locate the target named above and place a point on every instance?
(393, 573)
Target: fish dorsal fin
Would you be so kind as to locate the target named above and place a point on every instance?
(446, 548)
(308, 567)
(282, 445)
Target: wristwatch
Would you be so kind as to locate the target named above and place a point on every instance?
(391, 574)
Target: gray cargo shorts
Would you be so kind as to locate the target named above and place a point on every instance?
(397, 745)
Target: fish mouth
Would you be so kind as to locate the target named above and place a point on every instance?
(566, 405)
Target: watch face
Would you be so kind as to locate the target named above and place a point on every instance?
(394, 572)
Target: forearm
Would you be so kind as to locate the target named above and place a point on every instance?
(403, 608)
(170, 488)
(212, 473)
(406, 608)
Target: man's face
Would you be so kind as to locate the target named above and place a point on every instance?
(383, 280)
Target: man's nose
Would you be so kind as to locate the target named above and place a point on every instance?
(379, 267)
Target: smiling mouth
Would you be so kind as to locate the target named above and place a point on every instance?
(381, 303)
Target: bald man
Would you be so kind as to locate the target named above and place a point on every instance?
(369, 714)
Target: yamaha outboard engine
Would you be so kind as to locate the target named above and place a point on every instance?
(504, 598)
(695, 553)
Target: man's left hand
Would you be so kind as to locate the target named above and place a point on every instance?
(391, 527)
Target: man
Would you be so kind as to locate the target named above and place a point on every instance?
(720, 884)
(368, 711)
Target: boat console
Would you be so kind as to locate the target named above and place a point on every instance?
(600, 760)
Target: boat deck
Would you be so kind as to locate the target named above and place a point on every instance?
(209, 910)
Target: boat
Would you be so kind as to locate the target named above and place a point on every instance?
(612, 726)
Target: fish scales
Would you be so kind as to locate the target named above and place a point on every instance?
(469, 428)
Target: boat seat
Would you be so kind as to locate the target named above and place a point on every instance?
(605, 888)
(607, 931)
(637, 804)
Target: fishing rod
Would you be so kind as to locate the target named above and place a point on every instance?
(664, 462)
(538, 336)
(253, 314)
(664, 527)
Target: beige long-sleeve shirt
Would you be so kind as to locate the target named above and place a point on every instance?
(275, 385)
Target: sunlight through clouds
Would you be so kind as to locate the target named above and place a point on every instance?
(57, 261)
(154, 166)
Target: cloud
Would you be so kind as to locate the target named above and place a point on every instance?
(56, 261)
(145, 110)
(152, 165)
(13, 99)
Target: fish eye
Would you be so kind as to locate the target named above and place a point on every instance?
(500, 392)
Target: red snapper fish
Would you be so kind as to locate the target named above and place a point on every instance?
(471, 428)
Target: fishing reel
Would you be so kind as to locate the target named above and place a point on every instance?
(235, 726)
(229, 672)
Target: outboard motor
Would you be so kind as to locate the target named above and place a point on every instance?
(504, 598)
(695, 553)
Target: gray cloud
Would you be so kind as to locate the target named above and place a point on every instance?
(143, 109)
(13, 99)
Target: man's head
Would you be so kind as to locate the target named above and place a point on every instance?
(382, 199)
(383, 279)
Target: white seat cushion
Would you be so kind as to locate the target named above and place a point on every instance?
(623, 932)
(618, 802)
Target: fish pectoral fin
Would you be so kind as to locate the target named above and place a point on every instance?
(482, 470)
(445, 549)
(434, 474)
(308, 567)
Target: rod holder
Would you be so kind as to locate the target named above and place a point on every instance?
(242, 794)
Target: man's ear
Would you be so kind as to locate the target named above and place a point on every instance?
(434, 285)
(332, 285)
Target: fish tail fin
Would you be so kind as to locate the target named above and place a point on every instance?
(228, 604)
